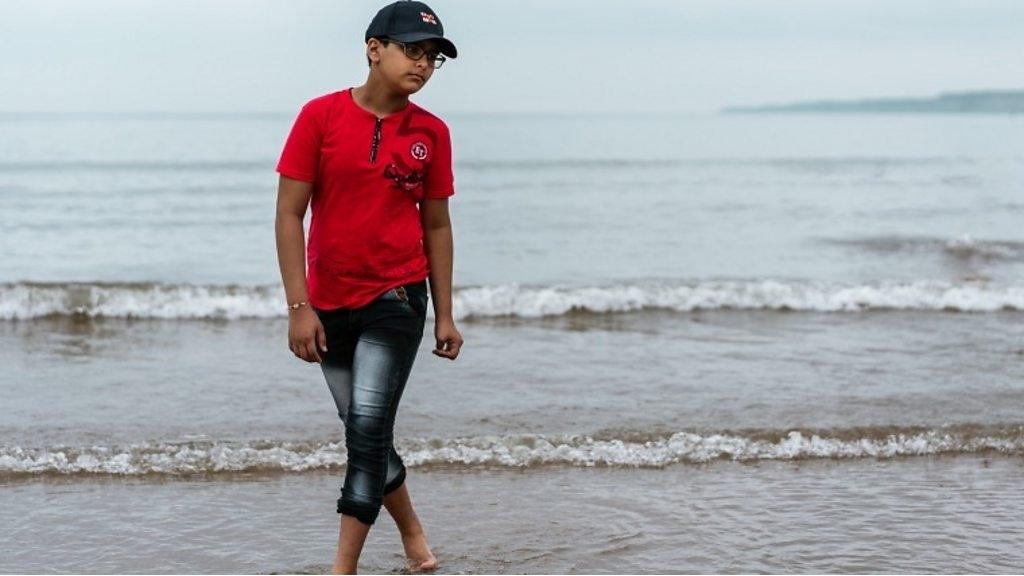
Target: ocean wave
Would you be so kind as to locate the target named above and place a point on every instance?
(57, 165)
(28, 300)
(615, 449)
(802, 163)
(798, 163)
(963, 248)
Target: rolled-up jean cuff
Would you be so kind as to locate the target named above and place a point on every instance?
(365, 515)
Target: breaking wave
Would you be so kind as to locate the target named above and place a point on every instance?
(963, 248)
(28, 300)
(615, 449)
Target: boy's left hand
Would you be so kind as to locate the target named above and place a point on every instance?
(449, 341)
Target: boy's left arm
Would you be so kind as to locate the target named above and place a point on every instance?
(438, 245)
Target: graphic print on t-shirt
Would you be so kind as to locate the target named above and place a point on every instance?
(418, 150)
(406, 169)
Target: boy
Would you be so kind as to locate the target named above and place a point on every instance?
(377, 171)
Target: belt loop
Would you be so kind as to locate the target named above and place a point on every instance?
(401, 293)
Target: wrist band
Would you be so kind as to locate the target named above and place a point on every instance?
(297, 305)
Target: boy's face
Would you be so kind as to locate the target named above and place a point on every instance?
(406, 76)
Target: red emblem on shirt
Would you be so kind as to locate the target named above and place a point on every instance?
(408, 180)
(418, 150)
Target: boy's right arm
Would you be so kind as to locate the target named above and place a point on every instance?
(306, 336)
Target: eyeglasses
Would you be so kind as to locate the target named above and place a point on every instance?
(415, 52)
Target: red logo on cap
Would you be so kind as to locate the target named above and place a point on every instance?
(428, 17)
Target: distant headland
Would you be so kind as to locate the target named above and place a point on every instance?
(976, 102)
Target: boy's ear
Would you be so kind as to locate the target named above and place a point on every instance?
(373, 48)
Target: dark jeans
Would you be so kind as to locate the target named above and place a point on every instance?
(370, 352)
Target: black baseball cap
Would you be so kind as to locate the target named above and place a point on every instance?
(409, 21)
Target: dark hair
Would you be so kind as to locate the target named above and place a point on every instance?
(383, 40)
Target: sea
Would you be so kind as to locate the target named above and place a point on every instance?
(694, 342)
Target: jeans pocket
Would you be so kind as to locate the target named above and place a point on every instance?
(395, 294)
(401, 293)
(422, 301)
(403, 298)
(412, 297)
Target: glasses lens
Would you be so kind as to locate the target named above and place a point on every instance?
(414, 51)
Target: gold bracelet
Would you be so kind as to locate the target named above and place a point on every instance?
(297, 305)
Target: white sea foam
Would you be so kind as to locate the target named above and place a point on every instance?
(25, 300)
(513, 451)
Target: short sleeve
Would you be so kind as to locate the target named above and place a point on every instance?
(440, 180)
(300, 158)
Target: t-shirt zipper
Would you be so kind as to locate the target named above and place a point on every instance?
(376, 142)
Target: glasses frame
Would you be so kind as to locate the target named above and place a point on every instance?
(434, 62)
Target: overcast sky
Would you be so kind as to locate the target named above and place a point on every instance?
(536, 55)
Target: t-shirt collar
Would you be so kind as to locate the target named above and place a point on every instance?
(371, 115)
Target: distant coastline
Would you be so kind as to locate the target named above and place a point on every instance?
(976, 102)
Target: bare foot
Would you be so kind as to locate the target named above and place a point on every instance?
(418, 555)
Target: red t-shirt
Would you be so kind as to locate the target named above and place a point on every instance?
(369, 177)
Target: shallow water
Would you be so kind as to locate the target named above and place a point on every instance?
(703, 344)
(920, 515)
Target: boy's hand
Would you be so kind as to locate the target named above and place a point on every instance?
(306, 336)
(449, 341)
